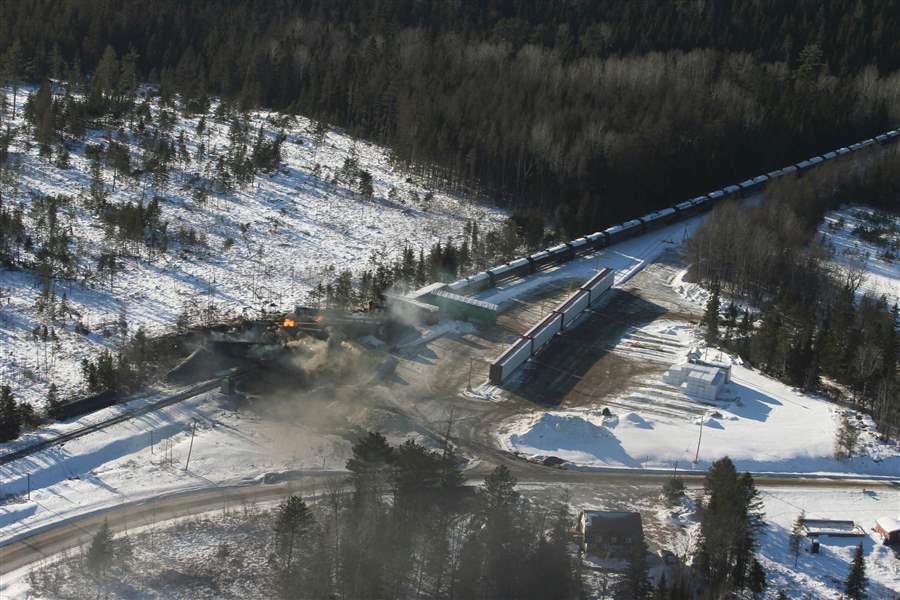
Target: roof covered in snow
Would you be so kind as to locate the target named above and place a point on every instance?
(888, 524)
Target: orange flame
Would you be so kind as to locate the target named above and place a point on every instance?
(289, 323)
(319, 318)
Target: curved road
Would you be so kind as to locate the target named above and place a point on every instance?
(71, 533)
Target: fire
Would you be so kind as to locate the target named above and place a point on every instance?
(289, 323)
(319, 318)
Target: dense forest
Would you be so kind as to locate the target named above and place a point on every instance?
(809, 325)
(589, 111)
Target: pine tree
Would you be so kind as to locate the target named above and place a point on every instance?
(757, 579)
(292, 522)
(796, 536)
(857, 582)
(847, 436)
(637, 574)
(101, 552)
(10, 417)
(662, 590)
(711, 318)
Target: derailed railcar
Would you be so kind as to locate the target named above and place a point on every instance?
(572, 307)
(541, 334)
(82, 406)
(507, 363)
(598, 284)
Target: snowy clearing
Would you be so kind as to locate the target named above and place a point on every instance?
(762, 424)
(880, 262)
(145, 457)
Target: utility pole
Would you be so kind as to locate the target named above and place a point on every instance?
(697, 455)
(469, 386)
(191, 447)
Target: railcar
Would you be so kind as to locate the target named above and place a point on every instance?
(83, 406)
(598, 239)
(579, 245)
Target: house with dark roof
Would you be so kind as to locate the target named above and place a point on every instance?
(610, 534)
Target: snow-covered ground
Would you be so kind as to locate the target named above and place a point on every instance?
(762, 424)
(266, 244)
(145, 457)
(880, 263)
(823, 574)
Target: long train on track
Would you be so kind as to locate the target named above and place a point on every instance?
(585, 245)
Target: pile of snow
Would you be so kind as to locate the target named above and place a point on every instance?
(267, 244)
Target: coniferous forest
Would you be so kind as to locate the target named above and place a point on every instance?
(544, 105)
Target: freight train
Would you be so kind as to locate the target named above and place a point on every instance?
(566, 251)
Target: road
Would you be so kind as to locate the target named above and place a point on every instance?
(73, 533)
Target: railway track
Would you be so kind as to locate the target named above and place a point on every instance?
(120, 418)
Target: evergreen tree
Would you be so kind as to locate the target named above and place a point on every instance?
(292, 521)
(857, 583)
(756, 580)
(637, 575)
(102, 551)
(53, 400)
(10, 417)
(711, 316)
(796, 536)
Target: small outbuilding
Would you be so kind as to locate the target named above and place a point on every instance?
(698, 381)
(610, 534)
(889, 529)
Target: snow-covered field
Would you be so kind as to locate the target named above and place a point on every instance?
(145, 457)
(763, 425)
(820, 575)
(266, 244)
(879, 263)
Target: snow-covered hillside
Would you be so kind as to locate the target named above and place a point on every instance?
(261, 246)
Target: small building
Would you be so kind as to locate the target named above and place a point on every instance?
(698, 381)
(610, 534)
(889, 529)
(815, 528)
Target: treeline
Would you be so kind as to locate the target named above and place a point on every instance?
(810, 325)
(592, 110)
